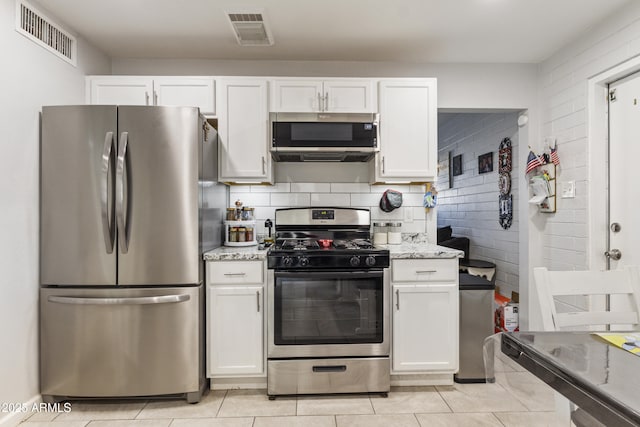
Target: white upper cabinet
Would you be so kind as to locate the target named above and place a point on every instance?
(126, 90)
(186, 91)
(408, 131)
(331, 96)
(243, 131)
(117, 90)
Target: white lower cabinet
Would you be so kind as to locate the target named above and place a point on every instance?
(424, 317)
(235, 319)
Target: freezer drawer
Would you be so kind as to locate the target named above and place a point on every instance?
(121, 342)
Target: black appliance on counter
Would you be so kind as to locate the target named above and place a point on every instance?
(328, 296)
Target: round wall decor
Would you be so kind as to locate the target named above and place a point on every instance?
(504, 183)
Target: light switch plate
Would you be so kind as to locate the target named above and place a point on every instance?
(568, 189)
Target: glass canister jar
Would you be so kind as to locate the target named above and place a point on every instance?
(231, 214)
(394, 235)
(247, 214)
(379, 233)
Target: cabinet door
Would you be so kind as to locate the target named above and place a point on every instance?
(235, 331)
(243, 122)
(349, 96)
(408, 131)
(297, 96)
(120, 90)
(186, 92)
(425, 328)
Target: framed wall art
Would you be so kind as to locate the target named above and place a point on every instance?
(485, 163)
(457, 165)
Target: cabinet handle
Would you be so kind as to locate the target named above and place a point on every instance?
(146, 98)
(326, 101)
(398, 299)
(425, 271)
(263, 166)
(319, 102)
(235, 274)
(155, 98)
(258, 300)
(382, 164)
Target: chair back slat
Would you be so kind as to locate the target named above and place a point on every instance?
(552, 284)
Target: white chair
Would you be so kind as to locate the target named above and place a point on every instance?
(576, 300)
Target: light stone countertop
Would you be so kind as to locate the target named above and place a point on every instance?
(236, 253)
(407, 250)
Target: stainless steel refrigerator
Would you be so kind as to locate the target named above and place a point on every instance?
(129, 202)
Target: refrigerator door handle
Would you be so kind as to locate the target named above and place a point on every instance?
(120, 207)
(164, 299)
(108, 227)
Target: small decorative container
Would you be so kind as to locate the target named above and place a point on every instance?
(394, 235)
(380, 233)
(240, 233)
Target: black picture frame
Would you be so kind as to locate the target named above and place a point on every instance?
(450, 169)
(485, 163)
(456, 165)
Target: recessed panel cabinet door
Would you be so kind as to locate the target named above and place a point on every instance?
(121, 90)
(408, 131)
(243, 122)
(235, 329)
(425, 328)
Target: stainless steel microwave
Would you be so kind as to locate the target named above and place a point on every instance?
(322, 137)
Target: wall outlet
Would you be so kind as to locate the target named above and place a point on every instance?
(568, 189)
(408, 214)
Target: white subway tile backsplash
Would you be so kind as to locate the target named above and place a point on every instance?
(330, 199)
(310, 187)
(350, 187)
(280, 187)
(290, 199)
(365, 199)
(249, 199)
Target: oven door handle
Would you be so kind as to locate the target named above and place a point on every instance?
(329, 274)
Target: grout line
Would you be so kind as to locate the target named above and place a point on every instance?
(221, 403)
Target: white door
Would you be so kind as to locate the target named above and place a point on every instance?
(425, 328)
(236, 340)
(624, 174)
(186, 92)
(121, 91)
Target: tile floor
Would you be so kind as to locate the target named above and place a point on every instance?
(515, 399)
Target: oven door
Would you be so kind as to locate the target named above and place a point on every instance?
(328, 313)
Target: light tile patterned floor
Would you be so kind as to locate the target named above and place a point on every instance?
(515, 399)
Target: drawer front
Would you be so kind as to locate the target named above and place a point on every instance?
(424, 270)
(240, 272)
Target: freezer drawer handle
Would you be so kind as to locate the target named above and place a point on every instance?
(331, 368)
(108, 228)
(164, 299)
(120, 207)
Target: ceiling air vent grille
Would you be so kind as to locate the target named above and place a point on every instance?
(250, 29)
(39, 28)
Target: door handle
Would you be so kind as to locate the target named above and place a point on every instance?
(164, 299)
(120, 207)
(108, 228)
(613, 254)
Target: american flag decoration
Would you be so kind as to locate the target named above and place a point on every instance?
(554, 156)
(533, 162)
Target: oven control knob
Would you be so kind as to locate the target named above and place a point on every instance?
(370, 261)
(287, 261)
(304, 261)
(354, 261)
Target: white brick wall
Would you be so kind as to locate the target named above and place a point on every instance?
(266, 199)
(471, 206)
(563, 106)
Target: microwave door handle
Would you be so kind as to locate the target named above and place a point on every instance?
(120, 177)
(108, 227)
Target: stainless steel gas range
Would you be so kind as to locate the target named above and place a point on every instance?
(328, 296)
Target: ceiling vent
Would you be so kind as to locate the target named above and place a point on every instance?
(250, 29)
(39, 28)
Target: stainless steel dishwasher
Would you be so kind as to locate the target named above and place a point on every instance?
(476, 324)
